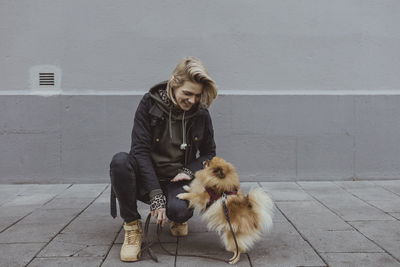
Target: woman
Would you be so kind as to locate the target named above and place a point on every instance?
(172, 136)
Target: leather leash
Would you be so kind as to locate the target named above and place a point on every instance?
(146, 245)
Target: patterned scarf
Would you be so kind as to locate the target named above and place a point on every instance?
(164, 97)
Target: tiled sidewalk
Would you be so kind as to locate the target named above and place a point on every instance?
(316, 224)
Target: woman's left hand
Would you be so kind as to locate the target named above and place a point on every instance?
(180, 177)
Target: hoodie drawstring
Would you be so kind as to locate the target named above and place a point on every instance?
(183, 145)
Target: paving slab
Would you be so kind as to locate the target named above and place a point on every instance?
(93, 224)
(10, 215)
(340, 241)
(359, 259)
(350, 208)
(201, 262)
(278, 216)
(285, 191)
(6, 222)
(387, 205)
(79, 245)
(29, 195)
(284, 247)
(96, 218)
(375, 195)
(356, 211)
(207, 243)
(367, 190)
(9, 192)
(197, 224)
(396, 215)
(44, 188)
(67, 262)
(326, 231)
(18, 254)
(83, 190)
(20, 211)
(164, 260)
(50, 216)
(68, 203)
(38, 227)
(15, 188)
(31, 199)
(204, 243)
(385, 233)
(392, 186)
(312, 216)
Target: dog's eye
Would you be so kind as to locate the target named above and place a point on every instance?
(219, 172)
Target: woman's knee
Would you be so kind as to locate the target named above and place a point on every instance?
(177, 209)
(122, 161)
(179, 213)
(122, 170)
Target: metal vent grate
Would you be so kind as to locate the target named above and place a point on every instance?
(46, 78)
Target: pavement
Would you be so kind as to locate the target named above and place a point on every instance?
(351, 223)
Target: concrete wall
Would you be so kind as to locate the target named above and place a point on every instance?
(309, 89)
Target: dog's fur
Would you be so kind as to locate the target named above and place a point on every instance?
(250, 215)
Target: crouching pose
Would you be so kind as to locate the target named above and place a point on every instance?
(172, 135)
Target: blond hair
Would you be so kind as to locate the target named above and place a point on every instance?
(192, 69)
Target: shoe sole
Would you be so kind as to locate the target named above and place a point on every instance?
(129, 259)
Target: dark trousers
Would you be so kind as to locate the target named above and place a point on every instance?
(125, 182)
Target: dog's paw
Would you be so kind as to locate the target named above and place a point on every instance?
(181, 196)
(235, 258)
(186, 188)
(234, 261)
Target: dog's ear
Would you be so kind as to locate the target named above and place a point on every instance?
(206, 163)
(219, 172)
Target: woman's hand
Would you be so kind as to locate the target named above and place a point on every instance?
(181, 177)
(160, 216)
(157, 208)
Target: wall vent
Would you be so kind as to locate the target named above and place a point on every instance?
(46, 79)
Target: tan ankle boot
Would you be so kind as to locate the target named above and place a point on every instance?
(178, 229)
(130, 250)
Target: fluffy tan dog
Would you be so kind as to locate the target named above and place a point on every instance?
(249, 215)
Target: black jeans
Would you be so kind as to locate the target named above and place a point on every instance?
(125, 182)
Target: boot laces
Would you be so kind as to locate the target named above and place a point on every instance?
(134, 237)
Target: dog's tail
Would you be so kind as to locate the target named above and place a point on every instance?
(263, 205)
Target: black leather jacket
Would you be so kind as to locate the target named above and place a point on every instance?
(148, 124)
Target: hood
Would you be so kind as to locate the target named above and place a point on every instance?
(159, 93)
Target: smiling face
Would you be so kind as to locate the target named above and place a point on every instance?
(188, 94)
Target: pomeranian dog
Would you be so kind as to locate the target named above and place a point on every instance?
(250, 215)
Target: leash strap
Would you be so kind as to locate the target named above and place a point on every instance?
(113, 203)
(159, 230)
(147, 244)
(230, 225)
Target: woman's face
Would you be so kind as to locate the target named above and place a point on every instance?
(188, 94)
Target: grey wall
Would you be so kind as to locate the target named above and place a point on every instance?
(309, 89)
